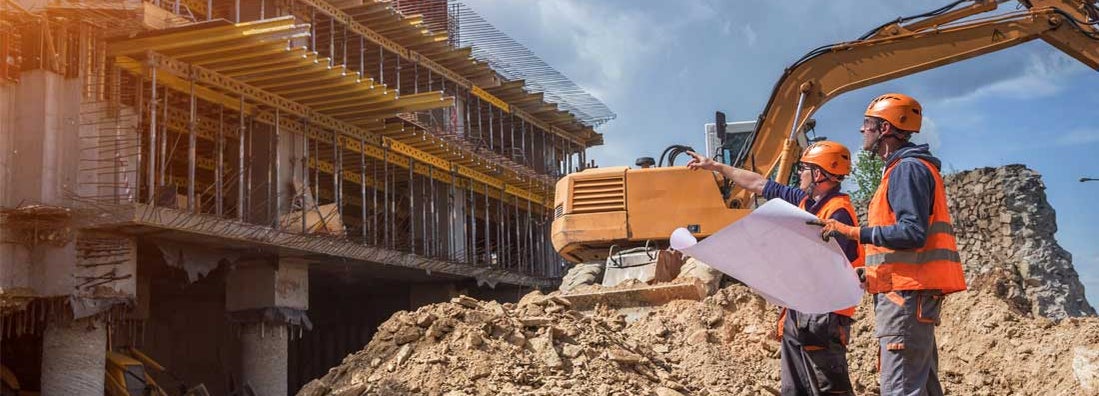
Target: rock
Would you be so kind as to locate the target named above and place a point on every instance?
(699, 337)
(571, 351)
(1085, 366)
(534, 297)
(351, 390)
(558, 300)
(662, 391)
(403, 354)
(712, 319)
(314, 388)
(623, 356)
(466, 301)
(516, 338)
(543, 348)
(474, 340)
(426, 319)
(406, 335)
(535, 321)
(659, 330)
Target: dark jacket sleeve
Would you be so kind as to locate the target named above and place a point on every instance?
(850, 248)
(786, 193)
(910, 196)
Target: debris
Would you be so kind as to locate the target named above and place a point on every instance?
(535, 321)
(721, 346)
(543, 347)
(404, 354)
(466, 301)
(662, 391)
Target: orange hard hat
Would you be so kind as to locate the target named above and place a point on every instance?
(830, 156)
(900, 110)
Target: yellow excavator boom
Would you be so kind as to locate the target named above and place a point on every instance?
(596, 209)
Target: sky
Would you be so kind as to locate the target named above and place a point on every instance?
(665, 66)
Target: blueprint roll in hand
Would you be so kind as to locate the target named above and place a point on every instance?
(780, 257)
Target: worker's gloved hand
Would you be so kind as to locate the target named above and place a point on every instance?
(861, 273)
(833, 228)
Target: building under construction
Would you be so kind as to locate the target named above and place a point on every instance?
(243, 190)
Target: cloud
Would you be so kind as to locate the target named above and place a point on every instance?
(1079, 137)
(929, 134)
(1045, 74)
(749, 34)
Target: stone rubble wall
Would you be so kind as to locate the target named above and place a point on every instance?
(1004, 224)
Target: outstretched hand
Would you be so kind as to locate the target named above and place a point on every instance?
(832, 228)
(698, 161)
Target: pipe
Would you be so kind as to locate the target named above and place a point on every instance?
(152, 139)
(240, 161)
(362, 186)
(276, 172)
(191, 147)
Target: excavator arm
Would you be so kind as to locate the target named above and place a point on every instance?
(897, 49)
(620, 207)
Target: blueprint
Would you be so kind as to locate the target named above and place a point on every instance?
(783, 259)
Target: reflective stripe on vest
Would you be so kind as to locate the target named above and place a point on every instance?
(836, 203)
(935, 265)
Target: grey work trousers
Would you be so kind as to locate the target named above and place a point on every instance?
(904, 323)
(814, 354)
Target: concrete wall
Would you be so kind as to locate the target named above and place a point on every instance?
(187, 330)
(345, 313)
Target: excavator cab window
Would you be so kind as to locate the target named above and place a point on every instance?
(732, 144)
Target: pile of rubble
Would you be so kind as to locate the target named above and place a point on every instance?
(465, 346)
(724, 345)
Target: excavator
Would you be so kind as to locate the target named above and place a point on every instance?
(611, 222)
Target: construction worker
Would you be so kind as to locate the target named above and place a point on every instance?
(814, 346)
(911, 255)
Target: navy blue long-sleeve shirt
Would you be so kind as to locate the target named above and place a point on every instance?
(910, 197)
(795, 195)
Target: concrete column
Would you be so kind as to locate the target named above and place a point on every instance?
(264, 296)
(73, 358)
(264, 357)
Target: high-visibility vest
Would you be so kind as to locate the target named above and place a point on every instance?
(831, 206)
(835, 203)
(935, 265)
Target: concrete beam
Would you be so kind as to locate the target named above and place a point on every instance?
(295, 244)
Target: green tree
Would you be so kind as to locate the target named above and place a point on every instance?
(866, 175)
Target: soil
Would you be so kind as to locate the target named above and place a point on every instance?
(723, 345)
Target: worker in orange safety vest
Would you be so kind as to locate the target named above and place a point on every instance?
(911, 258)
(813, 354)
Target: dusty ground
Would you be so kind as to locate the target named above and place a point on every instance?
(721, 346)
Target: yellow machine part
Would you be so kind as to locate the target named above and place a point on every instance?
(597, 208)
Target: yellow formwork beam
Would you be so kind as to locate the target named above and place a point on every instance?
(206, 35)
(397, 149)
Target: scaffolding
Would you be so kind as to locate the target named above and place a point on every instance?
(356, 130)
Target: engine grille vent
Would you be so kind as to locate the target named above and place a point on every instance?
(599, 195)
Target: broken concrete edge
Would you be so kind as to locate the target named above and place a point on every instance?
(212, 226)
(35, 313)
(196, 261)
(272, 315)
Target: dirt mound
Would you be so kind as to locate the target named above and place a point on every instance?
(469, 347)
(724, 345)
